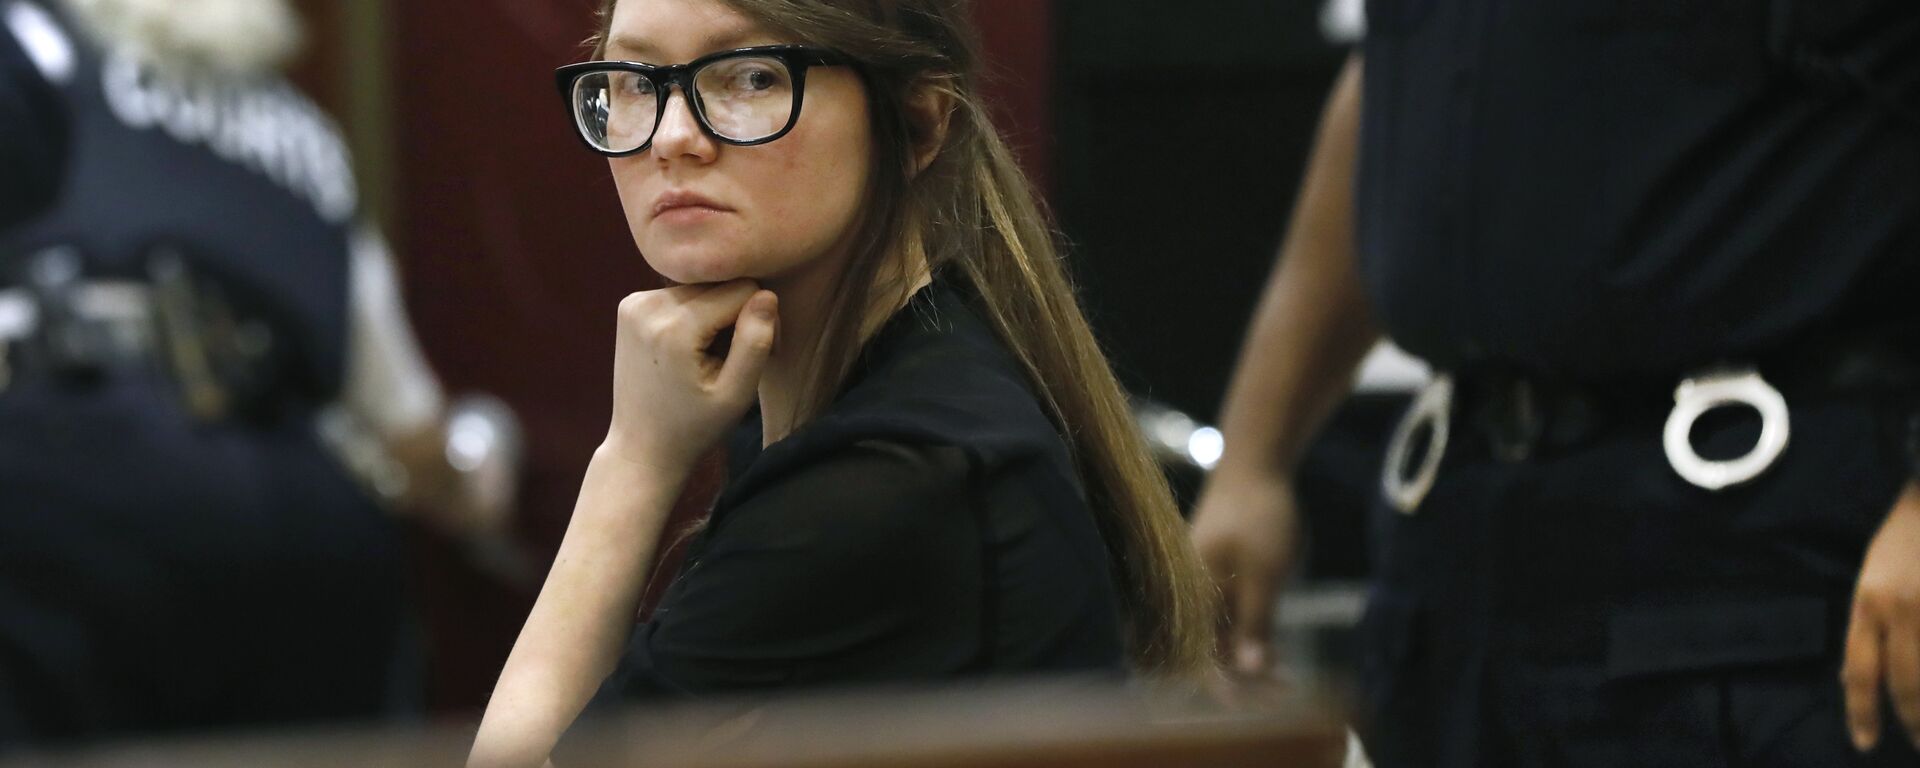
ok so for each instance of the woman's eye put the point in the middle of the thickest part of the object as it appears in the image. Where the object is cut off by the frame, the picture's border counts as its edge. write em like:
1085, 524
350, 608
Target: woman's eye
756, 80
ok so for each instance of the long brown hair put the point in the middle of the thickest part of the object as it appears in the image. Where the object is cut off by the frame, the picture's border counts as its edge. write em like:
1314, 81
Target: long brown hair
973, 214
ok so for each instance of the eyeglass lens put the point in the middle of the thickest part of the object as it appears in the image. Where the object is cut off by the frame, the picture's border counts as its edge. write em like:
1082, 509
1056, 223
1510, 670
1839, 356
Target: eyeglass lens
744, 99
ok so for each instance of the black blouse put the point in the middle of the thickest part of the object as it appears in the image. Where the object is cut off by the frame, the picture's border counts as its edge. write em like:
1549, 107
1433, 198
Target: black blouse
929, 525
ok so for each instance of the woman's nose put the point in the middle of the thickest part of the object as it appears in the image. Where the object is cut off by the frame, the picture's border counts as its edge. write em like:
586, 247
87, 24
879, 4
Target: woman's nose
679, 133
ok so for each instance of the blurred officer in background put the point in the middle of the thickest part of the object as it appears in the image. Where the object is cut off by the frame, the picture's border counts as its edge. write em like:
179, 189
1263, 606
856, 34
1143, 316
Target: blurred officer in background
1660, 507
208, 392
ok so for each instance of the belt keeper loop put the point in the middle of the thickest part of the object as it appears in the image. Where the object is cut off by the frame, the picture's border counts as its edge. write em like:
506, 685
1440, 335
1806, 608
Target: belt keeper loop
1517, 423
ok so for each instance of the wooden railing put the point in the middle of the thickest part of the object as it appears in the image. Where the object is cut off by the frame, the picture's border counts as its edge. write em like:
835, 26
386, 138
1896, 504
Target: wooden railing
1055, 725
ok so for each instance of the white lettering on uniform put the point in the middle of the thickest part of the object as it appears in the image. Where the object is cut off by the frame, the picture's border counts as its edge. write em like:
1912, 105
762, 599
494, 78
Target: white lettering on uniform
265, 127
120, 81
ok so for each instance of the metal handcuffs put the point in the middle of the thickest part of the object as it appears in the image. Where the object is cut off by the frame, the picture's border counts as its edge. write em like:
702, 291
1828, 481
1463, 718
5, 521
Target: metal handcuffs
1432, 409
1695, 397
1405, 487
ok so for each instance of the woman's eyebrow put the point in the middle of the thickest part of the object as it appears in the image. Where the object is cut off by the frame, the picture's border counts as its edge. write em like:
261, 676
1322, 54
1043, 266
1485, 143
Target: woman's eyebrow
643, 49
631, 47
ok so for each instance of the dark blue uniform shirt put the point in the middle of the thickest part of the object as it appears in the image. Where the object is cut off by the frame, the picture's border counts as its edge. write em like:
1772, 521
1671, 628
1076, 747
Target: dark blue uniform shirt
1637, 187
1620, 193
32, 134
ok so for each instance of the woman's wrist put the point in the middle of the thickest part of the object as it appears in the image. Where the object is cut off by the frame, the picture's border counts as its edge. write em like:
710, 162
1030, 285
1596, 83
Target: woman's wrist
643, 462
623, 487
1258, 467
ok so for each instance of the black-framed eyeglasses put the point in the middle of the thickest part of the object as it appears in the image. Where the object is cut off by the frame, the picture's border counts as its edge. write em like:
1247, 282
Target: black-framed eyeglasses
741, 97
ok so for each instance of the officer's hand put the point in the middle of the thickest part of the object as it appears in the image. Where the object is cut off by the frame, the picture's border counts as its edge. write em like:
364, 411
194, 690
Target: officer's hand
1883, 636
677, 384
1244, 528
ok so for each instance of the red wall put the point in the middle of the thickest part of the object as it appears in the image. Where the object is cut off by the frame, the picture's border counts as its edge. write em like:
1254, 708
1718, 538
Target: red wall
1018, 38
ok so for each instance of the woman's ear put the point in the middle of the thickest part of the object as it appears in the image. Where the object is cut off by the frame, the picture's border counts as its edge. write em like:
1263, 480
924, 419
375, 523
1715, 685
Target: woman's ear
929, 112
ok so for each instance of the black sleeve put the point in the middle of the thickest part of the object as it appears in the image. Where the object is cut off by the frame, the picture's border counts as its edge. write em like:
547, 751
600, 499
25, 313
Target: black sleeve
32, 135
863, 567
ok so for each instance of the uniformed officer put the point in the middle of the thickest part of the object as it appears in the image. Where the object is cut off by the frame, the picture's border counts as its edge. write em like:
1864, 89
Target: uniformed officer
208, 392
1660, 507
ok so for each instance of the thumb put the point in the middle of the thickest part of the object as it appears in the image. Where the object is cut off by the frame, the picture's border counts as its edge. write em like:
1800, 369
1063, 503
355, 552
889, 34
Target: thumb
753, 336
1861, 670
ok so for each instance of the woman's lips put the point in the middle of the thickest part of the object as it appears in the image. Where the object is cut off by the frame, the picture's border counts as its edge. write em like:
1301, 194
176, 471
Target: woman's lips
681, 206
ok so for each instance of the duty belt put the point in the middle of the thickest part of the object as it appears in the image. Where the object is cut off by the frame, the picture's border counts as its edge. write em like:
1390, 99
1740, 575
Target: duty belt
73, 328
1516, 415
79, 330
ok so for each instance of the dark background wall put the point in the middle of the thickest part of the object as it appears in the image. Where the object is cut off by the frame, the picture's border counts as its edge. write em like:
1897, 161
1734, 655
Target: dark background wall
1182, 130
1180, 133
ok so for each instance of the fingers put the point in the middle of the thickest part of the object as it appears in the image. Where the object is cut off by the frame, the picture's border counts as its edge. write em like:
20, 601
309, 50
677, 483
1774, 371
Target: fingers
1252, 622
1220, 571
1219, 558
1247, 591
754, 332
1903, 673
1860, 675
1243, 530
714, 308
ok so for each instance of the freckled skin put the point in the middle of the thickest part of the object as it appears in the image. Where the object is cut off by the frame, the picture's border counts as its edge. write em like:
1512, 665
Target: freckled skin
793, 201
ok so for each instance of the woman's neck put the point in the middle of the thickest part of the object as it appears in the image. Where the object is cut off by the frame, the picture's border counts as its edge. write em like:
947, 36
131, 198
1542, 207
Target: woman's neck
805, 307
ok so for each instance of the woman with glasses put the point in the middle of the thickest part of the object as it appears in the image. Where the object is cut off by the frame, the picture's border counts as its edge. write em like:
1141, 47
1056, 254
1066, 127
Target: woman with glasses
937, 475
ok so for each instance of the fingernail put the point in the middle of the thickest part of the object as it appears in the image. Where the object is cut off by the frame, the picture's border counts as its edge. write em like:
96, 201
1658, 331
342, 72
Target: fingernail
1862, 739
765, 304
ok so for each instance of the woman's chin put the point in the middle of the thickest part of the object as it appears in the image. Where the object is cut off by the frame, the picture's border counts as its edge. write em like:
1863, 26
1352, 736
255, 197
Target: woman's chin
690, 271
